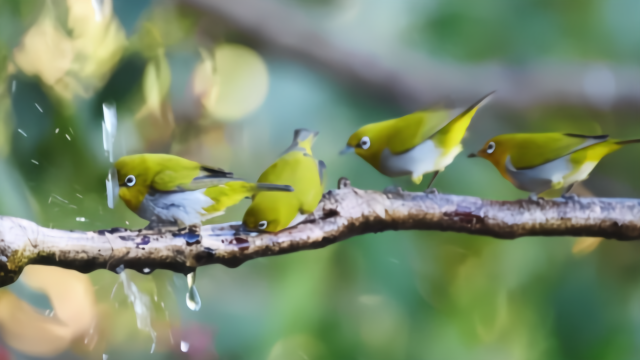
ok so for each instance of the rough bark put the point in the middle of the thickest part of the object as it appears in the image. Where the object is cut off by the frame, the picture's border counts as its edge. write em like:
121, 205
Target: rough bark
341, 214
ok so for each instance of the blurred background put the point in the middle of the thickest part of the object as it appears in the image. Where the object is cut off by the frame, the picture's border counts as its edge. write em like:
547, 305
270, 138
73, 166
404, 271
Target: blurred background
226, 82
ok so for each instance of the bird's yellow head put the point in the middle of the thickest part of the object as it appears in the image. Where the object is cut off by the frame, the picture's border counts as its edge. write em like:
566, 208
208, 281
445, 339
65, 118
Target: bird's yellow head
369, 142
271, 212
496, 150
134, 177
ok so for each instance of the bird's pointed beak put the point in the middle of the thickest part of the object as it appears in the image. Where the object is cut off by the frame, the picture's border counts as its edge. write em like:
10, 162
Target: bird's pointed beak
347, 150
472, 155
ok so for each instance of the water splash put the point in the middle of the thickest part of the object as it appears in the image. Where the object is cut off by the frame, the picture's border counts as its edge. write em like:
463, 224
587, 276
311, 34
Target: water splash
141, 305
109, 128
112, 187
98, 5
193, 299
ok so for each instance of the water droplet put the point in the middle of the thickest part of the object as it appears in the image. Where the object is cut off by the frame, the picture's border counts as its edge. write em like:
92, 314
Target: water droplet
97, 8
58, 129
193, 299
13, 86
35, 162
184, 346
81, 219
120, 269
22, 132
38, 106
68, 138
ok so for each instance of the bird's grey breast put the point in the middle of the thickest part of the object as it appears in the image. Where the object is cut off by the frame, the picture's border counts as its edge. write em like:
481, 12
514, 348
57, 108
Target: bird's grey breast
420, 159
540, 178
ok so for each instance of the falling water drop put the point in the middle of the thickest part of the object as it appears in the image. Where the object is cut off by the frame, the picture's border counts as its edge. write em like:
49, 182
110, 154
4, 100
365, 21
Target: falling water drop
184, 346
193, 299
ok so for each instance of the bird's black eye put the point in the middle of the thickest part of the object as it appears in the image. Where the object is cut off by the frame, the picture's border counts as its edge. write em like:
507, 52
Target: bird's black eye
490, 147
262, 225
130, 180
365, 142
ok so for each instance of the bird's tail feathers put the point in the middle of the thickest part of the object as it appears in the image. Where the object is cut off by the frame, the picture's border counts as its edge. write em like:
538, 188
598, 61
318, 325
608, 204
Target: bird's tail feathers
302, 140
476, 105
625, 142
273, 187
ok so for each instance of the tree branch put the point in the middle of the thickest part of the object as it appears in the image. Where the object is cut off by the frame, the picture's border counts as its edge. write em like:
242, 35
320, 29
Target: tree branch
341, 214
416, 81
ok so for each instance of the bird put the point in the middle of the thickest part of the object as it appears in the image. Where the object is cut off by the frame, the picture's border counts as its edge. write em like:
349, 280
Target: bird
416, 144
544, 161
169, 190
274, 211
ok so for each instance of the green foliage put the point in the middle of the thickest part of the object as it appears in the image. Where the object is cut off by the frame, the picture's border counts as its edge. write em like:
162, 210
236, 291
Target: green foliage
525, 30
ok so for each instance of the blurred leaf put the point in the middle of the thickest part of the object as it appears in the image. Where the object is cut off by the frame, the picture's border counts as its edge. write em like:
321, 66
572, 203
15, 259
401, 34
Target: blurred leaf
46, 50
98, 38
585, 245
32, 332
297, 347
155, 85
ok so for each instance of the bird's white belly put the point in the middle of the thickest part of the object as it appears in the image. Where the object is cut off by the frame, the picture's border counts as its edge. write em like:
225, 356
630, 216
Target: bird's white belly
541, 178
186, 207
422, 159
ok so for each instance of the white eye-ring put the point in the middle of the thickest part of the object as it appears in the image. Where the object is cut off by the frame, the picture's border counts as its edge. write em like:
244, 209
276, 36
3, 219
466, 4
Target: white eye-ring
262, 225
490, 147
130, 180
365, 142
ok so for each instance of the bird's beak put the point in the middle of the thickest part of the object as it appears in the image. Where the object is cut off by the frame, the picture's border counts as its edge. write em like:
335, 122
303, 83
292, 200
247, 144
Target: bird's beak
472, 155
113, 188
347, 150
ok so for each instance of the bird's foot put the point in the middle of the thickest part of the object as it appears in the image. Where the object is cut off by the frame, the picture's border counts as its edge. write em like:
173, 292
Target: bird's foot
535, 197
570, 196
431, 191
392, 189
161, 226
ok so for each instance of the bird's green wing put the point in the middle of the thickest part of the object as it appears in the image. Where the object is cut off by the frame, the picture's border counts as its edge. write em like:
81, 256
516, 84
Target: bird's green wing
214, 172
532, 150
178, 174
413, 129
207, 178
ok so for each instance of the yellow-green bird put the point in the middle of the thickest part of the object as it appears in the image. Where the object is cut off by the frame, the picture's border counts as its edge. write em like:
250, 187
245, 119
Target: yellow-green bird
415, 144
170, 190
276, 211
540, 162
